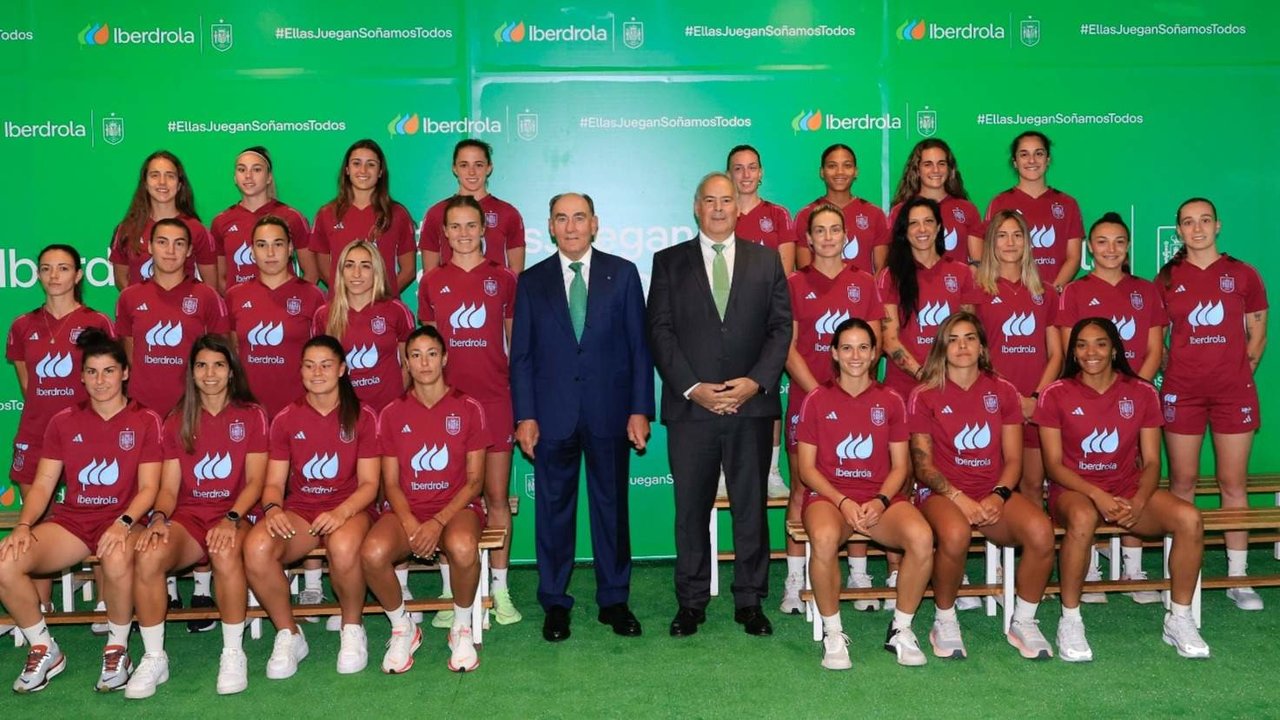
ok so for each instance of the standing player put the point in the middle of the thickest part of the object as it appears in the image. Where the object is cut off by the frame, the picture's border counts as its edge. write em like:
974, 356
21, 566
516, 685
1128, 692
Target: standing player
1217, 329
1053, 216
931, 171
853, 458
470, 300
504, 227
823, 295
433, 442
322, 477
162, 192
1136, 309
966, 446
215, 459
233, 228
866, 232
1100, 431
364, 210
109, 449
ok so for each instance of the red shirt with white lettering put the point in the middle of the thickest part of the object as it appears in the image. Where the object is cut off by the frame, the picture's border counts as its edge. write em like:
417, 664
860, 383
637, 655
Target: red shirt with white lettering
163, 325
100, 458
331, 235
431, 446
767, 224
503, 230
372, 342
322, 459
960, 219
864, 228
271, 326
1133, 304
138, 256
1052, 219
213, 474
943, 289
1207, 344
852, 435
1016, 323
967, 429
470, 308
232, 232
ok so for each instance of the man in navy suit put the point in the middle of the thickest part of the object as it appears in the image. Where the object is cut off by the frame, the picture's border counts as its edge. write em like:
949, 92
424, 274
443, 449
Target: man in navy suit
582, 385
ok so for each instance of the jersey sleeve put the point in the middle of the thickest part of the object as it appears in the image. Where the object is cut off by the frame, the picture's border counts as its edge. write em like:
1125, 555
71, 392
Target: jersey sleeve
149, 448
1152, 417
257, 440
319, 242
426, 309
431, 236
879, 226
1255, 299
13, 346
888, 289
515, 229
1048, 412
320, 319
508, 294
1075, 222
783, 222
124, 315
171, 438
216, 320
897, 411
918, 412
1068, 313
367, 435
405, 318
278, 437
479, 438
1010, 403
116, 254
801, 226
299, 230
202, 244
806, 426
969, 291
1159, 315
387, 446
52, 446
402, 228
1050, 306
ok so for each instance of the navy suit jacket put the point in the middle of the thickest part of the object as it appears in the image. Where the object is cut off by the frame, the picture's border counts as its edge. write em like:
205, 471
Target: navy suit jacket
602, 380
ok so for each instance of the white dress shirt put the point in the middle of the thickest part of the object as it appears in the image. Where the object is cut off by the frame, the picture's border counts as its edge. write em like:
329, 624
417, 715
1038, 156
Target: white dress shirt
568, 271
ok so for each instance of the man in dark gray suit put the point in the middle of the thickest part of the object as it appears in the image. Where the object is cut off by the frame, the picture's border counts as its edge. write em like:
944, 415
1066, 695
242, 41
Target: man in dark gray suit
719, 328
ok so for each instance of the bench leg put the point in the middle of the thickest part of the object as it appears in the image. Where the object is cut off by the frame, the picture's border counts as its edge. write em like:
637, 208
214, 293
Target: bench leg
992, 557
714, 528
293, 581
1195, 601
18, 638
255, 625
477, 606
1007, 586
811, 607
483, 590
69, 592
86, 590
1116, 561
1168, 546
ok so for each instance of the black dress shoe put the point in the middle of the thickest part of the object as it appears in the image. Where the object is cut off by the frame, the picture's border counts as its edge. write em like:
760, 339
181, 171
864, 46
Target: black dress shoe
556, 627
621, 619
687, 621
753, 620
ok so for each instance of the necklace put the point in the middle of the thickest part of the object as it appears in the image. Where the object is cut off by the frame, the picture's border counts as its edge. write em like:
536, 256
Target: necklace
55, 332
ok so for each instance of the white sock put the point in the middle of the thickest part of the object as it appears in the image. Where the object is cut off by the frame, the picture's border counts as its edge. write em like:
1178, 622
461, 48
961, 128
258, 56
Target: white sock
399, 617
773, 458
1180, 610
233, 636
1024, 611
204, 581
499, 579
311, 579
795, 565
152, 639
38, 634
118, 634
172, 585
858, 564
402, 574
831, 624
1071, 613
1237, 562
944, 613
444, 579
1132, 560
902, 620
461, 616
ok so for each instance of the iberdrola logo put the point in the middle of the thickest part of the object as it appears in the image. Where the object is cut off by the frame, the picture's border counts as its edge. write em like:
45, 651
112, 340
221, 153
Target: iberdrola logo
807, 121
404, 125
912, 30
512, 32
95, 34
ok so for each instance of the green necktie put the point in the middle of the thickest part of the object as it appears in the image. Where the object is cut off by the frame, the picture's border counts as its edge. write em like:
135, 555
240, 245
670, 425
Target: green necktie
720, 279
577, 300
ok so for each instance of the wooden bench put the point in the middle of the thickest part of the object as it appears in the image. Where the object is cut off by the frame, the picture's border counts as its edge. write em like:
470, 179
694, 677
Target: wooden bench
722, 503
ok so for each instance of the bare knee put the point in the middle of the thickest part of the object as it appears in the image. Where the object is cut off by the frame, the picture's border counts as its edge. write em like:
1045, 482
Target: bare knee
375, 555
462, 552
825, 540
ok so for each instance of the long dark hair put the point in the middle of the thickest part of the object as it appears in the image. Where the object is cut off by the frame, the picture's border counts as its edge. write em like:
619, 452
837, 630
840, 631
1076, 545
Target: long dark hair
381, 200
1164, 277
78, 291
238, 392
909, 183
1119, 363
129, 232
901, 264
348, 401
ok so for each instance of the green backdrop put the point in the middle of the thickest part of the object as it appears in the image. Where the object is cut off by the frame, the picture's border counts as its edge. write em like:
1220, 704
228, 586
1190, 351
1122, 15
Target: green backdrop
631, 101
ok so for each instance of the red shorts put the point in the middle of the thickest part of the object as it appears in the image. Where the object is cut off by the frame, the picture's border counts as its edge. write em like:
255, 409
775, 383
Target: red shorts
1227, 413
1030, 435
501, 421
812, 497
197, 526
26, 456
86, 525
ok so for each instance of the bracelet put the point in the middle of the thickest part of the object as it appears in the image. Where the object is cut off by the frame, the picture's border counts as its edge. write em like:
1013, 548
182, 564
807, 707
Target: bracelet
27, 524
433, 517
267, 508
841, 502
154, 513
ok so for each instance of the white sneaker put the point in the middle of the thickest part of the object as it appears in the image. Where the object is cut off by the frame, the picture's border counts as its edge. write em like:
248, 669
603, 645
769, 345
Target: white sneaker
791, 603
311, 597
777, 487
44, 662
858, 581
353, 651
968, 602
946, 640
233, 672
1031, 643
1181, 633
1093, 598
722, 490
463, 657
443, 618
835, 651
902, 642
289, 650
1072, 645
152, 670
414, 617
333, 623
1142, 597
504, 610
404, 642
116, 669
891, 604
1245, 598
99, 628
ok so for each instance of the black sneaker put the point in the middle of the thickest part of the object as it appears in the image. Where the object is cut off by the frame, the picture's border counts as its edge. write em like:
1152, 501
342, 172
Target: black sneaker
199, 626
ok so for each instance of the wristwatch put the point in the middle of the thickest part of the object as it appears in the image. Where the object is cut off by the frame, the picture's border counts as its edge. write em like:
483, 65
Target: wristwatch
884, 500
234, 517
1003, 492
126, 520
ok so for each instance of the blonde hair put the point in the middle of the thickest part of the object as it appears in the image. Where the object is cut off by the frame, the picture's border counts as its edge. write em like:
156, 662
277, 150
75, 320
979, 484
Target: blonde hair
989, 266
933, 373
340, 305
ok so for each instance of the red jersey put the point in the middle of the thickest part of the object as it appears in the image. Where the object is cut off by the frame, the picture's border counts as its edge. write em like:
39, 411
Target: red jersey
1100, 431
819, 304
138, 257
503, 230
48, 347
322, 459
852, 434
966, 427
1207, 310
943, 289
372, 342
960, 219
232, 232
470, 308
767, 224
163, 325
100, 458
1052, 219
213, 475
271, 326
864, 228
1133, 304
431, 445
1016, 323
330, 236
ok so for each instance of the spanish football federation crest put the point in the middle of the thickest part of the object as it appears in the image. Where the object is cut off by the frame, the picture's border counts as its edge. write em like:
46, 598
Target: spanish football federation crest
293, 306
991, 402
1135, 299
927, 122
491, 219
633, 33
127, 440
951, 282
527, 125
878, 416
1059, 212
957, 212
112, 130
453, 424
1029, 32
766, 224
220, 36
190, 305
490, 287
862, 221
1227, 283
1126, 408
855, 294
236, 431
379, 325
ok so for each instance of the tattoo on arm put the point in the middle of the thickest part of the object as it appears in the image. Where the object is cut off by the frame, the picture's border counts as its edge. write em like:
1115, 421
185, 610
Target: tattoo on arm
899, 358
926, 473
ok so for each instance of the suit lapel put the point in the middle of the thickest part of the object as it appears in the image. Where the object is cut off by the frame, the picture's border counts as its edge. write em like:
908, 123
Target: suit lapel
599, 286
740, 262
698, 269
553, 289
